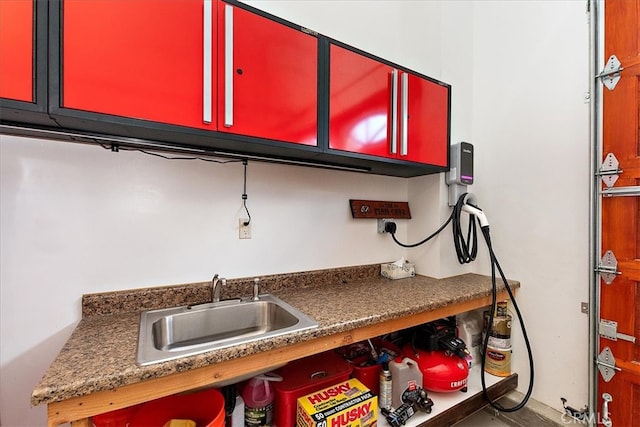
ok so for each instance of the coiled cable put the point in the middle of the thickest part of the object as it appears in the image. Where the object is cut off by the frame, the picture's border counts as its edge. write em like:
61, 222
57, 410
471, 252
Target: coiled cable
466, 248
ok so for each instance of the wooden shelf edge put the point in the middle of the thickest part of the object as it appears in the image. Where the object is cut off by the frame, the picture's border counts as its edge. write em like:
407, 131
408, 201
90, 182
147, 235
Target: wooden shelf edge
473, 403
77, 409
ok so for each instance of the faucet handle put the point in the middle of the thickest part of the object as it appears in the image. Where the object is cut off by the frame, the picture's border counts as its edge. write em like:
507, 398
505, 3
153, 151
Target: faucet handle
215, 289
256, 290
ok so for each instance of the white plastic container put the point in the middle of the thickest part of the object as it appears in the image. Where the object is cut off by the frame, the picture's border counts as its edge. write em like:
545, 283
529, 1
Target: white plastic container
237, 417
469, 327
406, 375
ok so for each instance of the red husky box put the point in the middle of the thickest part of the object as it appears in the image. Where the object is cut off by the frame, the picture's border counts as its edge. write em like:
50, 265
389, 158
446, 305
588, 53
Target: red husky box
345, 404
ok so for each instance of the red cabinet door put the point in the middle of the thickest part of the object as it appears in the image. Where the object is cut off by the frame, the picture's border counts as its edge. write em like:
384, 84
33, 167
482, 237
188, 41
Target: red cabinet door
141, 59
360, 104
380, 110
17, 50
427, 121
267, 78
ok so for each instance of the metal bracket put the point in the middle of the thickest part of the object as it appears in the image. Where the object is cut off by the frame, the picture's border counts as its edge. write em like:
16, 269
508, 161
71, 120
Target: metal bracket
607, 364
584, 307
608, 267
606, 398
609, 329
609, 170
610, 75
631, 191
578, 415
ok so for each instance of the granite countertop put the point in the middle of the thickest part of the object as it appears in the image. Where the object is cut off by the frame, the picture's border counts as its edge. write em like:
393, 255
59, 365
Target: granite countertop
101, 352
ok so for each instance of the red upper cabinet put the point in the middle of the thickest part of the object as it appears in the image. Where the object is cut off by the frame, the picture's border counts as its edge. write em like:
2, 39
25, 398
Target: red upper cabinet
142, 59
17, 50
267, 78
360, 104
203, 64
218, 76
427, 120
380, 110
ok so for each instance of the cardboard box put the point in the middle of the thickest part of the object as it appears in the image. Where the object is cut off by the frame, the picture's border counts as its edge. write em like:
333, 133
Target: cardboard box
344, 404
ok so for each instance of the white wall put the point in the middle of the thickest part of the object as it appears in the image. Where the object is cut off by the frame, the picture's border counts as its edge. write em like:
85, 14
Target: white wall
530, 129
78, 219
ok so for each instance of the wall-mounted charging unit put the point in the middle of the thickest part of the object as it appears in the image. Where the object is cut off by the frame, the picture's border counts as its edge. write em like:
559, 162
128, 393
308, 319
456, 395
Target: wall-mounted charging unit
461, 171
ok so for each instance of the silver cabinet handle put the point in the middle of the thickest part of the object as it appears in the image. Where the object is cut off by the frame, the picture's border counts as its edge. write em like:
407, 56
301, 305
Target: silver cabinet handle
394, 111
207, 77
404, 114
228, 66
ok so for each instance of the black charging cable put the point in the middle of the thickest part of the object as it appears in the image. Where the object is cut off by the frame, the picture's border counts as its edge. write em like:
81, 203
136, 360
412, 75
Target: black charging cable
466, 248
495, 264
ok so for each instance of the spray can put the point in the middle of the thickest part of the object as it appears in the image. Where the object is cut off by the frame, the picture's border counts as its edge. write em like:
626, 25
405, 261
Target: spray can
258, 398
386, 387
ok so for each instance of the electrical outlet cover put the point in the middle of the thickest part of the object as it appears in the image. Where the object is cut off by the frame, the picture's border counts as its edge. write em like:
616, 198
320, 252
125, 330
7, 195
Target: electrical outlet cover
244, 231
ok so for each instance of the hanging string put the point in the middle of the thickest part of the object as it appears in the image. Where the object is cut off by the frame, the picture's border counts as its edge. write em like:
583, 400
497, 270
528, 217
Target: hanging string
244, 194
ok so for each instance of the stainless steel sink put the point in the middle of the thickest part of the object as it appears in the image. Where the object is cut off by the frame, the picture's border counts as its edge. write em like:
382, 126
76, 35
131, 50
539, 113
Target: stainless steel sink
171, 333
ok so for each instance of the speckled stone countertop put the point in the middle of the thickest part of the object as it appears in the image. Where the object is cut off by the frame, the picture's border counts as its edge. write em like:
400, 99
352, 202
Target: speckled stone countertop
101, 352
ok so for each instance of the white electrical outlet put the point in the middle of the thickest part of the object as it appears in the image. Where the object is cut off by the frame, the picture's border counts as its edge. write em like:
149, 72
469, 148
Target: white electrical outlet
244, 230
382, 224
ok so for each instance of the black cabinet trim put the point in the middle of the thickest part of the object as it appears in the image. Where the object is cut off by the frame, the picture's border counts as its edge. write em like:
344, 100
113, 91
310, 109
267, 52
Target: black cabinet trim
79, 125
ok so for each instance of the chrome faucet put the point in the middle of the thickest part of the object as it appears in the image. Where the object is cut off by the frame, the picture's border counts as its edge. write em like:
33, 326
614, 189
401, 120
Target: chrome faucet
256, 289
216, 284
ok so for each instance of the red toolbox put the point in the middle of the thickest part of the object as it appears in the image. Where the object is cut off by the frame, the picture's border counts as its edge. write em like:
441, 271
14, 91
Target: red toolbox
304, 376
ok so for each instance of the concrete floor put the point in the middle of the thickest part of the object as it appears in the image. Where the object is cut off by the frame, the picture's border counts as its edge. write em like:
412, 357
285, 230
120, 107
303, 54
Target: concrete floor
482, 419
534, 414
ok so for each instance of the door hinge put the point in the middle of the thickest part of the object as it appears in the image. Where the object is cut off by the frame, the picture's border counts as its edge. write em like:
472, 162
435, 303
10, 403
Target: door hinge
609, 173
609, 170
610, 75
608, 267
609, 329
607, 364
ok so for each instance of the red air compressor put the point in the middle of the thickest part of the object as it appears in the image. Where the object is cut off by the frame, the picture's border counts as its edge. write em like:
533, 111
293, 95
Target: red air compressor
439, 355
442, 371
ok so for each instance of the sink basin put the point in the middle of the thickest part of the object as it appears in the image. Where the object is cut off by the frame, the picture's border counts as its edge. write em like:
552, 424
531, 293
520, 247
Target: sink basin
171, 333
